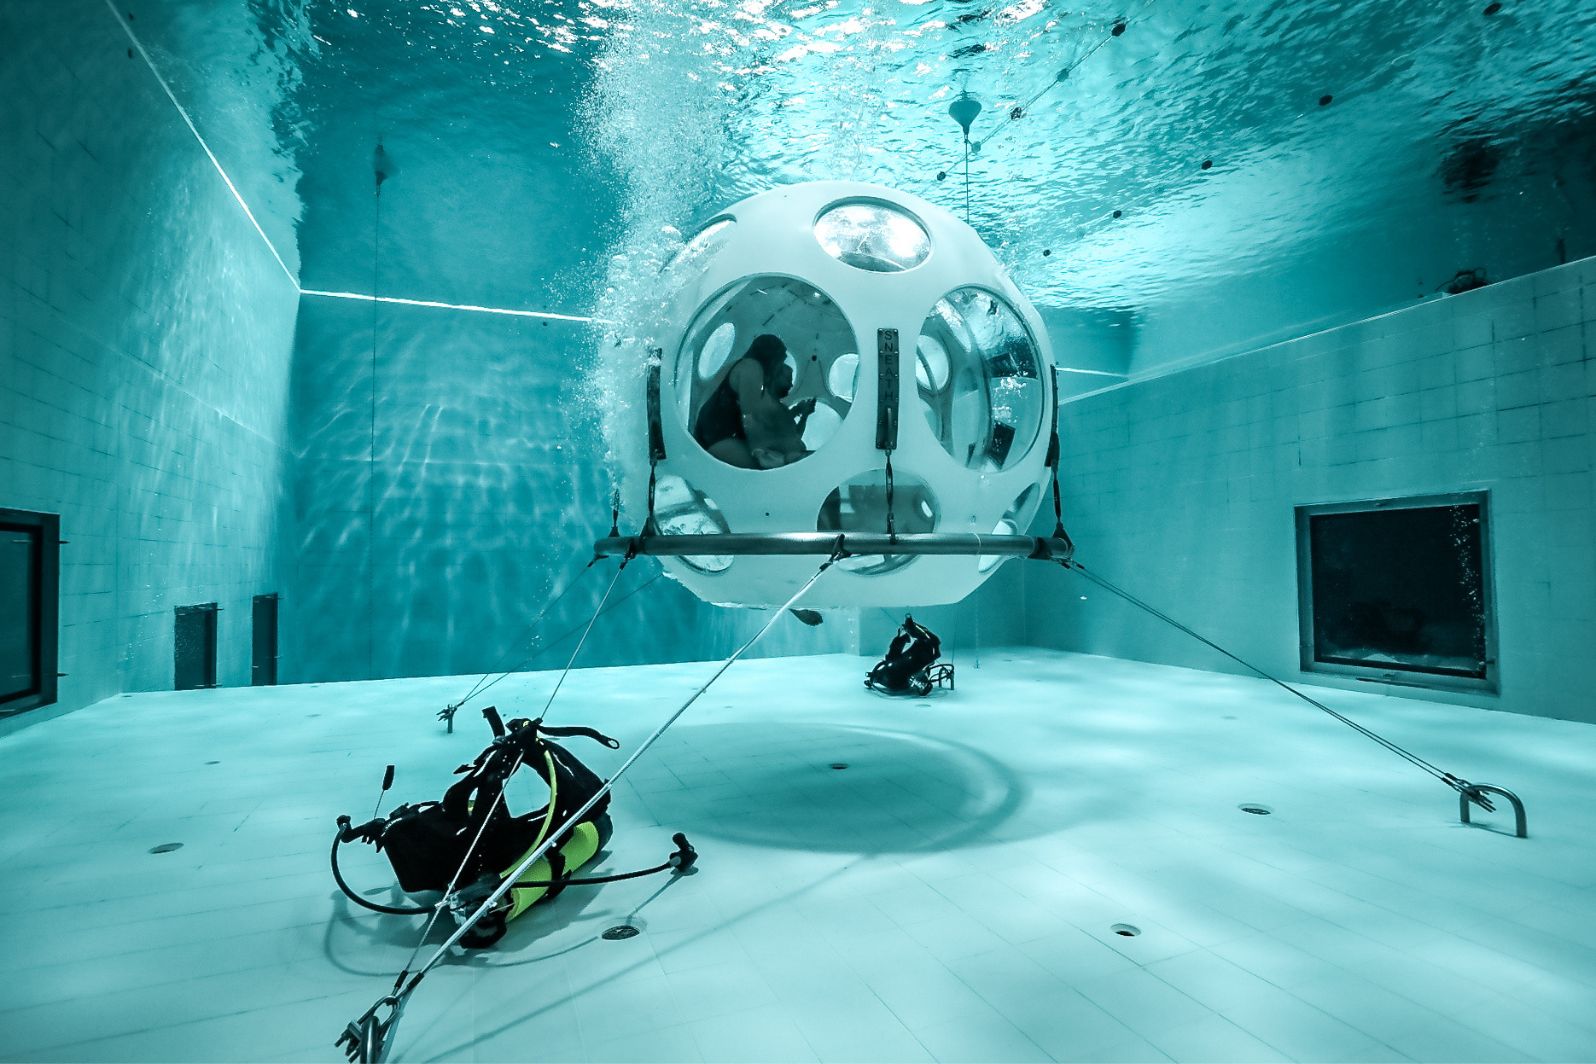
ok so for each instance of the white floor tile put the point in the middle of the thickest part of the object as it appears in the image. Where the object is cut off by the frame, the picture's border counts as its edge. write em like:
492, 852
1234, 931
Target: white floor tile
948, 896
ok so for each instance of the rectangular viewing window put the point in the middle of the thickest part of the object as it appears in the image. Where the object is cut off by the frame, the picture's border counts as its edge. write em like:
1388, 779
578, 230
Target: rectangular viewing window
30, 553
1399, 590
195, 647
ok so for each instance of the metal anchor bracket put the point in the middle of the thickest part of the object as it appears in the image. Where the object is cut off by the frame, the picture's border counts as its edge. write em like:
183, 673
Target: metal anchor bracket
1476, 792
368, 1039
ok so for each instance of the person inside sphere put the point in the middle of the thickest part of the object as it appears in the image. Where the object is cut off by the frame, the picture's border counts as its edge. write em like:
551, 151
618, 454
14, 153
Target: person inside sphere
744, 421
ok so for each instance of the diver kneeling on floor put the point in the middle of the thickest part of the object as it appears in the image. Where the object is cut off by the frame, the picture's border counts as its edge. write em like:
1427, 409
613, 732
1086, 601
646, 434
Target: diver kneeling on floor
466, 845
910, 667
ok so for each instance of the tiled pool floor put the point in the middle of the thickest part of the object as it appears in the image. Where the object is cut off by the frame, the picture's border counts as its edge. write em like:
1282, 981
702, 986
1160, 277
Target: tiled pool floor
950, 895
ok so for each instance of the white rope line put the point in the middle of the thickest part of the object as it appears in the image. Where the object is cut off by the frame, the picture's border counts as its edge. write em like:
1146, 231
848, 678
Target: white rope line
576, 818
139, 47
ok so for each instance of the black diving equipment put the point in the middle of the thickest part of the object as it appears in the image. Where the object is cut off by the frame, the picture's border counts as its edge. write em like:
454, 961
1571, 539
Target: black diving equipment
464, 846
910, 667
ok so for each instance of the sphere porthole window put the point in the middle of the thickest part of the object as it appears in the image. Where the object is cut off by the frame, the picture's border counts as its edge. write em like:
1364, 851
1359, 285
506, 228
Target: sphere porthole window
810, 334
983, 393
870, 235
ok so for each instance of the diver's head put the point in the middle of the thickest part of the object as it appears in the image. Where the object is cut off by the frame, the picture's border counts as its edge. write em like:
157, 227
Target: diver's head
781, 381
768, 350
771, 354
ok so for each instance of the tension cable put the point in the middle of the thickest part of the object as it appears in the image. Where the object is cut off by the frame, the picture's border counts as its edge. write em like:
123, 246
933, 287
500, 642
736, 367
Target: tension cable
369, 1037
519, 757
1471, 792
498, 672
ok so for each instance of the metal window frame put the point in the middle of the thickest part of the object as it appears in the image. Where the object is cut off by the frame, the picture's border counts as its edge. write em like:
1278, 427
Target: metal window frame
1400, 675
257, 668
208, 612
44, 611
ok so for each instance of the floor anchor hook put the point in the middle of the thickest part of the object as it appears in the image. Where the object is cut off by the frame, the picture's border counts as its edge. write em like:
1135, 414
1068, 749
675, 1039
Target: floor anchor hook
1473, 791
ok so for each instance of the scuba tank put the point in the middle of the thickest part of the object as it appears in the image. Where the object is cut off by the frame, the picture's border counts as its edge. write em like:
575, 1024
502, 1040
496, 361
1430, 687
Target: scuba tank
465, 845
910, 667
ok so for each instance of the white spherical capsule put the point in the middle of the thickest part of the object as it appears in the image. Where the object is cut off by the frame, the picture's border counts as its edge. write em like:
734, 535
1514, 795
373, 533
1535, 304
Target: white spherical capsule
832, 269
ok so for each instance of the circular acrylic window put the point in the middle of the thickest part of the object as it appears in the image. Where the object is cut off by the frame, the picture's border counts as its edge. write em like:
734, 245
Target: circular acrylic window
873, 236
791, 409
930, 363
717, 349
843, 377
706, 241
981, 387
682, 510
823, 424
859, 504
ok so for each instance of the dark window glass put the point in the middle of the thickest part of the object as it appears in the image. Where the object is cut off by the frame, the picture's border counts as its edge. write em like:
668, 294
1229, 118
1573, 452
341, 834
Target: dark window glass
195, 647
1400, 588
19, 635
263, 649
29, 570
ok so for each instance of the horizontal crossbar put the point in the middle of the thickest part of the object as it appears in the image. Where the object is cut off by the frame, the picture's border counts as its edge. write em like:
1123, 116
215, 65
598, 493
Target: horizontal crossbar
1045, 548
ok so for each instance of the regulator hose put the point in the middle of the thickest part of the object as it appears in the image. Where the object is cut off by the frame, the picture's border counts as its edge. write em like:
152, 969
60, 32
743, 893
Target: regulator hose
339, 839
682, 862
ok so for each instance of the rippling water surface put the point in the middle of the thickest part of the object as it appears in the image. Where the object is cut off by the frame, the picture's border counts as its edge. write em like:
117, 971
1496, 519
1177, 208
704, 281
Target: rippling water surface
534, 137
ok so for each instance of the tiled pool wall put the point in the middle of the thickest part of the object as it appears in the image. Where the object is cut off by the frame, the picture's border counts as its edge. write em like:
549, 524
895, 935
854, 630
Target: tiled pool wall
146, 339
1182, 487
433, 529
149, 340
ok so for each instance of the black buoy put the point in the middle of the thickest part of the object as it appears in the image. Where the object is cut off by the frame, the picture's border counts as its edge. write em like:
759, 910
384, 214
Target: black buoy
1208, 164
964, 110
1324, 101
942, 175
1046, 252
1492, 8
1017, 112
382, 165
1118, 213
1119, 28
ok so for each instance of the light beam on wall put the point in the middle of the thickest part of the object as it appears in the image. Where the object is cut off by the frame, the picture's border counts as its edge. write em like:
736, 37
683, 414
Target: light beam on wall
120, 21
546, 314
192, 128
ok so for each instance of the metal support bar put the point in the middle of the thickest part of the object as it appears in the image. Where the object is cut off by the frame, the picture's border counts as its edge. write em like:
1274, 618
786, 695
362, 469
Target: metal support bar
1044, 548
1054, 459
892, 526
656, 435
1053, 444
886, 389
1466, 795
656, 427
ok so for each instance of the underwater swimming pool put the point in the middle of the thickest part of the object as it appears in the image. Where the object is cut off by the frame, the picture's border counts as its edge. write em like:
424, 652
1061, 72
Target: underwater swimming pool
326, 333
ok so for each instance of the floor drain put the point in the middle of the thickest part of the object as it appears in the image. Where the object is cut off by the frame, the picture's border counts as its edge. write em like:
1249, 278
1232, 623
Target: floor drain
839, 765
1126, 930
1256, 810
166, 847
619, 932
